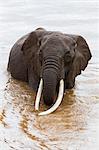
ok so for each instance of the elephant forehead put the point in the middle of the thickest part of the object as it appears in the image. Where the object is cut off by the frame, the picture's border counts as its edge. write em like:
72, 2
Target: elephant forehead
59, 39
55, 41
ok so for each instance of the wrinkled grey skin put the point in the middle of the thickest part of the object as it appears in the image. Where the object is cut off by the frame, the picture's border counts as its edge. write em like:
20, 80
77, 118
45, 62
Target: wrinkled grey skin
50, 55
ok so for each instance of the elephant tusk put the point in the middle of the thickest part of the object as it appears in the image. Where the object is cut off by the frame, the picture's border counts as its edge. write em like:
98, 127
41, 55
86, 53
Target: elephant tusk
58, 101
39, 95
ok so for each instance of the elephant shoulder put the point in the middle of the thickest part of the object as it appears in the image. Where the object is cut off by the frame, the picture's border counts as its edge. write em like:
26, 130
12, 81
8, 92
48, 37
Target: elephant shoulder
16, 55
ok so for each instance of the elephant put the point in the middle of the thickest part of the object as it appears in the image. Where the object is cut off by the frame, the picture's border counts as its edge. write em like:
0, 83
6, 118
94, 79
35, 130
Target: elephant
49, 61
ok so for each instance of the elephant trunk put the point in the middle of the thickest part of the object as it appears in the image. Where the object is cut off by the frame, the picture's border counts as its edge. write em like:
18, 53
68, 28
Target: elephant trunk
49, 86
51, 83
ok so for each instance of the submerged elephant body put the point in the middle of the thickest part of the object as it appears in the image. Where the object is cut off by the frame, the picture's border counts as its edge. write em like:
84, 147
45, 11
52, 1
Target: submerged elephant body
50, 56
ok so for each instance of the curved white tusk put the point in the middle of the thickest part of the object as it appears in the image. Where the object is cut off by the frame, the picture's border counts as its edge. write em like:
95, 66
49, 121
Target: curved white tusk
58, 101
39, 95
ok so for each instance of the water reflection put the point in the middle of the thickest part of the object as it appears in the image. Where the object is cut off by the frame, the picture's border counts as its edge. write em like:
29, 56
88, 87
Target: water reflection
69, 119
69, 125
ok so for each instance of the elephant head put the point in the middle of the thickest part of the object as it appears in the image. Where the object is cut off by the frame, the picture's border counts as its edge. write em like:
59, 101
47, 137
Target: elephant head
55, 60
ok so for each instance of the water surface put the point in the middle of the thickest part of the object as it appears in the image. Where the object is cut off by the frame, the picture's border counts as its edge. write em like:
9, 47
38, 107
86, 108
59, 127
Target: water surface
75, 124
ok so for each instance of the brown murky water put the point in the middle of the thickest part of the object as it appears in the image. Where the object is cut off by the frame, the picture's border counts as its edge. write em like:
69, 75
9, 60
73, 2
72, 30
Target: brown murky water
75, 124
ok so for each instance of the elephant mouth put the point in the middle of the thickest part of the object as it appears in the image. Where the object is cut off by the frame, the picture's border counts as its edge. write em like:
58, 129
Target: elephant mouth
56, 104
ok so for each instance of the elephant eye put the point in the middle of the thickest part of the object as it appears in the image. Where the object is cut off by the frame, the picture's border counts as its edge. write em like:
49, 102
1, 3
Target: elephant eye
67, 56
67, 52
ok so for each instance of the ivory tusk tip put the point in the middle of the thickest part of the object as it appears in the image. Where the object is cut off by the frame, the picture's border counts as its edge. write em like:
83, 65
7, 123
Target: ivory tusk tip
42, 114
36, 109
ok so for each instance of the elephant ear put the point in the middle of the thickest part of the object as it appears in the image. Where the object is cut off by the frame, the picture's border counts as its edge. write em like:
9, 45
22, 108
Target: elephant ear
80, 61
83, 50
30, 43
33, 40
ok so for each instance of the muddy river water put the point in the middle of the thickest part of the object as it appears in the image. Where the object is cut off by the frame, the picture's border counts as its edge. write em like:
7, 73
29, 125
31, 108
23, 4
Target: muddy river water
75, 124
